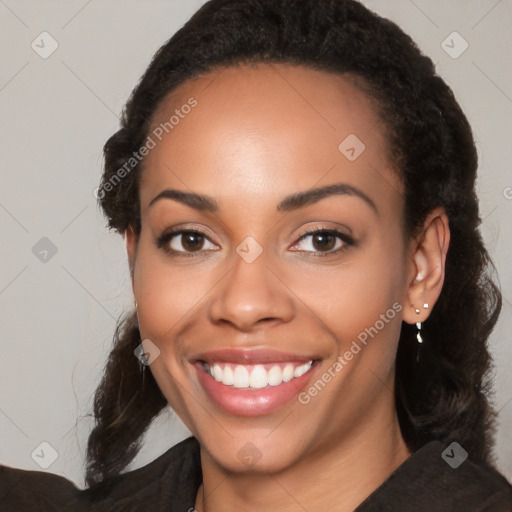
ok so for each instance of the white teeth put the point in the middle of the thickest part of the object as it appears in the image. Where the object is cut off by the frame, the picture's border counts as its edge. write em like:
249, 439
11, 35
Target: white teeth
256, 376
288, 373
301, 370
217, 373
275, 376
228, 378
240, 377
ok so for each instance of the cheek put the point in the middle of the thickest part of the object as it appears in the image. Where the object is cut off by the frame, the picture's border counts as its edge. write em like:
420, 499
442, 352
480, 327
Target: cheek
166, 293
351, 296
167, 297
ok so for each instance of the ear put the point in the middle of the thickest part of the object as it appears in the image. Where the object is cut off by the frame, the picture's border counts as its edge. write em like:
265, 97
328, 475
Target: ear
427, 267
131, 248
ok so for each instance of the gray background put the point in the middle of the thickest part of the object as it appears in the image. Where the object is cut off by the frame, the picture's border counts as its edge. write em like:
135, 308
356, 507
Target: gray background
58, 316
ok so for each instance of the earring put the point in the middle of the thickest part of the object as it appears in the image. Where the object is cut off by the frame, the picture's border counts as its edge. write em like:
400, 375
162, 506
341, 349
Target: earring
142, 368
418, 334
135, 304
418, 324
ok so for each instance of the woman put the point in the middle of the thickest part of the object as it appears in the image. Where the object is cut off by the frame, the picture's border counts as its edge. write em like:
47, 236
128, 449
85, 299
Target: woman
296, 188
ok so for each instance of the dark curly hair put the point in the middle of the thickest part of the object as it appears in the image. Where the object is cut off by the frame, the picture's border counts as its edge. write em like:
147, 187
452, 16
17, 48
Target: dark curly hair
447, 395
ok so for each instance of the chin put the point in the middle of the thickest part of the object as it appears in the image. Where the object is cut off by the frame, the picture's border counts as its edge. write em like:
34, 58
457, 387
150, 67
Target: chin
256, 456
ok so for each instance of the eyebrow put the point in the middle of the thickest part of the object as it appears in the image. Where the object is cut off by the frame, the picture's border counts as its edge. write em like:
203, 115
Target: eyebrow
292, 202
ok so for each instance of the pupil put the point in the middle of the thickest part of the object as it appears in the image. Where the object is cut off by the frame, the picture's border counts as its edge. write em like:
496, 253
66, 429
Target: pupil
323, 241
192, 241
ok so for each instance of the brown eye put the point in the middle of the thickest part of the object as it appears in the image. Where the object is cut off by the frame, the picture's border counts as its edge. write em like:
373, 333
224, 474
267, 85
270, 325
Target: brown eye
323, 242
185, 242
192, 241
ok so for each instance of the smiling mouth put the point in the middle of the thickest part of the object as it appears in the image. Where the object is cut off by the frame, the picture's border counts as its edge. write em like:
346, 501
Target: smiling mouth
257, 376
253, 383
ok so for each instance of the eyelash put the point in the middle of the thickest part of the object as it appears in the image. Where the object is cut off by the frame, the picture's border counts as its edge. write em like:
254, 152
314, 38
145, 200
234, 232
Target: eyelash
163, 240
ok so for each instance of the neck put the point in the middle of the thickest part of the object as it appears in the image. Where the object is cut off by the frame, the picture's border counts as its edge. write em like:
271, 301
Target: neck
338, 476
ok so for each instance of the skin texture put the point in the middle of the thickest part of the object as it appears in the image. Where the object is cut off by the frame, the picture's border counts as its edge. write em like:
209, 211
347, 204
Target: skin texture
258, 134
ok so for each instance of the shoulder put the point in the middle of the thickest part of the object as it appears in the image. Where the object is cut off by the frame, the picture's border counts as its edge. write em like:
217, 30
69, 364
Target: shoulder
441, 478
27, 491
173, 477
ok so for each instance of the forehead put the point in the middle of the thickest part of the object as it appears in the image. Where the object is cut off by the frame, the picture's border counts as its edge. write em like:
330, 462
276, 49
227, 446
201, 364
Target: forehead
264, 131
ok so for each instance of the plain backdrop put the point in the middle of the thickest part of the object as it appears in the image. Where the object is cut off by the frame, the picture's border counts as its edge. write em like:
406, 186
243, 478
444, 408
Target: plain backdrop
58, 315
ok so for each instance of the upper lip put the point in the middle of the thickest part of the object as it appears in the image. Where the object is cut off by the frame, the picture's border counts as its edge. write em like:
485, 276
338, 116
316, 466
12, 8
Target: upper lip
250, 356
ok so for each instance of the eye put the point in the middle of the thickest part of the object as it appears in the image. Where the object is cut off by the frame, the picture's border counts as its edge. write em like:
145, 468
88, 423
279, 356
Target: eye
185, 242
323, 241
191, 242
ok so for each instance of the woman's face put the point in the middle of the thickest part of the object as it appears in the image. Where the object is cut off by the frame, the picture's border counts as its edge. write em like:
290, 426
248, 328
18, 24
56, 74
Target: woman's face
253, 288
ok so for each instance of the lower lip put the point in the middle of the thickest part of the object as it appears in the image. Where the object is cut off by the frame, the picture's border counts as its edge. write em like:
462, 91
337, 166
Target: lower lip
255, 402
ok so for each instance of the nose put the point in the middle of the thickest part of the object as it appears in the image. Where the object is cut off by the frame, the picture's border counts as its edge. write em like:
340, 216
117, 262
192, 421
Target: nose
251, 295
